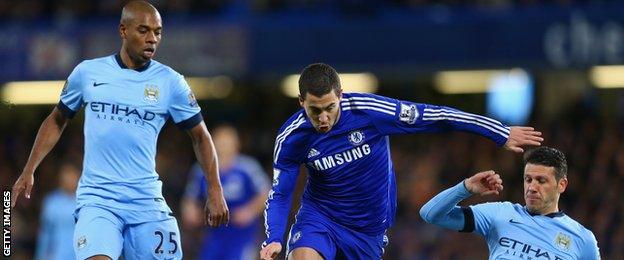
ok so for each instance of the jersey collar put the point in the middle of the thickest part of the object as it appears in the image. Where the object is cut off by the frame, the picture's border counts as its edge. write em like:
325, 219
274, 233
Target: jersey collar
550, 215
123, 66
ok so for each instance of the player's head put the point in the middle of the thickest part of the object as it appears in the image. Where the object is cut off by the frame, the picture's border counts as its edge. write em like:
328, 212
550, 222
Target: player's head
140, 29
319, 95
69, 174
226, 141
545, 178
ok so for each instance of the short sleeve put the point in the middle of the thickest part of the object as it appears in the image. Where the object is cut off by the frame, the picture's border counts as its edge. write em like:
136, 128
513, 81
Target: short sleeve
71, 95
183, 107
484, 215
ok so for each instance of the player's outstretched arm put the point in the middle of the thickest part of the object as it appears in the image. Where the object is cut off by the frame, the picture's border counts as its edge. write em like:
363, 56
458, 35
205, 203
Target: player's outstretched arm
216, 210
442, 209
270, 251
48, 135
522, 136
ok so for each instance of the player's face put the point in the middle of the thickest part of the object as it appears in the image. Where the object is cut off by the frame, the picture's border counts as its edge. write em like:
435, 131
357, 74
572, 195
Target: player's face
226, 142
323, 111
142, 36
541, 189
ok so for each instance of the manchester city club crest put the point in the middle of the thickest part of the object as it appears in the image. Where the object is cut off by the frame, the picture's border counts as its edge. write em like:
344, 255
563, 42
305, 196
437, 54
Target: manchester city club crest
563, 241
356, 137
82, 242
151, 93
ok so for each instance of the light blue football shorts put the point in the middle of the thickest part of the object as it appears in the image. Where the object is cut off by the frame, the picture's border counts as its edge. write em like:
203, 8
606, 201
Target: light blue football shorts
112, 232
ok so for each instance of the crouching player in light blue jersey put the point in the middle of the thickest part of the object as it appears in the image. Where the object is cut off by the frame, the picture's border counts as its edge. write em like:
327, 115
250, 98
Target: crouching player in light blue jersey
127, 98
343, 140
537, 230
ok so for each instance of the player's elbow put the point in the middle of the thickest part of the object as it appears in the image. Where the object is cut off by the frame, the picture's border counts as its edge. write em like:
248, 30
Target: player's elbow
425, 213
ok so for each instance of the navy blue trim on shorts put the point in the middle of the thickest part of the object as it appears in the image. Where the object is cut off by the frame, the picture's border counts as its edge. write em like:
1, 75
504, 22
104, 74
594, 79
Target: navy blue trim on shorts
65, 110
190, 122
469, 223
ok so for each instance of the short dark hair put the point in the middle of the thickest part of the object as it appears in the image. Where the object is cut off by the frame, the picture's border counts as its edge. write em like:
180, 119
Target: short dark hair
550, 157
318, 79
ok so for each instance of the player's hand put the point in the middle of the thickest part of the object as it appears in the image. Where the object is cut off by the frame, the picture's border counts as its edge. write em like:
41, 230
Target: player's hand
484, 183
23, 184
216, 210
270, 251
522, 136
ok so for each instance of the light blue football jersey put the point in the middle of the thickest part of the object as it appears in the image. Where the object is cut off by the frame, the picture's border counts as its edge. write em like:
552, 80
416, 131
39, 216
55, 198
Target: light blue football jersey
512, 232
125, 110
56, 229
350, 173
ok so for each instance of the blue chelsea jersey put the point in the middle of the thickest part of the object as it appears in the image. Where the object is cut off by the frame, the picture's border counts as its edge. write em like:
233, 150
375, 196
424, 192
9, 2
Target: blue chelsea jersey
351, 179
125, 110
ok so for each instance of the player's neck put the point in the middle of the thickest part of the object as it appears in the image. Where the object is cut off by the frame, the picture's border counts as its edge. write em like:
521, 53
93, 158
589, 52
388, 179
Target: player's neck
131, 64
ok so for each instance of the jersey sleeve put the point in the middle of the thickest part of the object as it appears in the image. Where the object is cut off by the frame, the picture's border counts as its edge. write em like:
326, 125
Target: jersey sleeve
392, 116
483, 216
184, 108
442, 210
590, 249
71, 95
286, 165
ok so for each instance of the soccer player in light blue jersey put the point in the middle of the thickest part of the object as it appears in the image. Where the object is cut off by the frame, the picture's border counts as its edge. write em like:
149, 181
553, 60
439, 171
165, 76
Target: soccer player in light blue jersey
56, 228
245, 187
127, 98
537, 230
343, 140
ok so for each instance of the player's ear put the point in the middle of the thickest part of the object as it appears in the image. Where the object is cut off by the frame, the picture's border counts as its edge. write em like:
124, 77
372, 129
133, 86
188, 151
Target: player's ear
301, 100
562, 185
122, 30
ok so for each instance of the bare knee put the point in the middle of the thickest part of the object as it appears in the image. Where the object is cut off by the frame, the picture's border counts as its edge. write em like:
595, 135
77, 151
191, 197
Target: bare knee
304, 253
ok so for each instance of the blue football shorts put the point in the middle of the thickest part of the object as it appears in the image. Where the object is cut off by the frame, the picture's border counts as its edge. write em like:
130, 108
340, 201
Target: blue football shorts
110, 232
334, 241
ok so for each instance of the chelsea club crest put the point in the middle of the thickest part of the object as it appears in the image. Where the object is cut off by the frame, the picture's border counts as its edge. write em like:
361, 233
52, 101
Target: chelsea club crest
356, 137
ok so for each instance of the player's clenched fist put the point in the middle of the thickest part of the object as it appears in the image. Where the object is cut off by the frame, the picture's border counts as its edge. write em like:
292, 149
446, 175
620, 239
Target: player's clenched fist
484, 183
216, 210
270, 251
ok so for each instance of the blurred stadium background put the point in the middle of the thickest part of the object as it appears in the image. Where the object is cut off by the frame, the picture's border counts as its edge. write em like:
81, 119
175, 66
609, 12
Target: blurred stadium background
555, 65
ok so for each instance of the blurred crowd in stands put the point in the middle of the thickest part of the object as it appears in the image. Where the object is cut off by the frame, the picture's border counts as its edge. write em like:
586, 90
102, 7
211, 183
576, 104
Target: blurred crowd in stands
60, 9
425, 165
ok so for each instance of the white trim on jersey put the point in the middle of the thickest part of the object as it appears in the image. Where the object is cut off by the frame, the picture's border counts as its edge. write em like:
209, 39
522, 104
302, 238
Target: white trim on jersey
281, 137
369, 103
369, 108
458, 116
369, 99
363, 103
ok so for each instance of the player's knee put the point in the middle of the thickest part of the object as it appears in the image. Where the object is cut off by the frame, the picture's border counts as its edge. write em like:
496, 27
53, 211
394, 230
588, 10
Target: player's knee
304, 253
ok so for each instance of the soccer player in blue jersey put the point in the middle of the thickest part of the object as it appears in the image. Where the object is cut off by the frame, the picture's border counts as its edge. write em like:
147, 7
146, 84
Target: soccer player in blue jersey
245, 187
537, 230
127, 98
56, 228
343, 140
